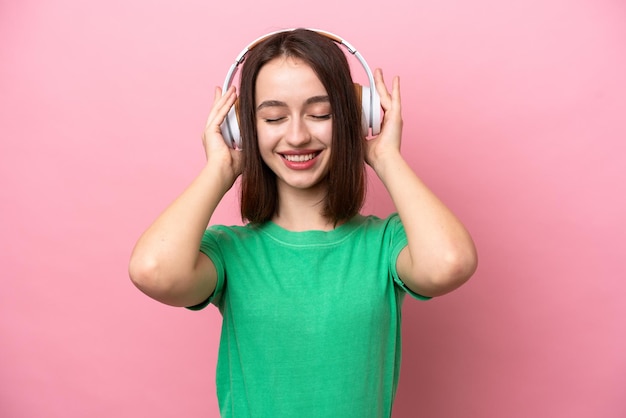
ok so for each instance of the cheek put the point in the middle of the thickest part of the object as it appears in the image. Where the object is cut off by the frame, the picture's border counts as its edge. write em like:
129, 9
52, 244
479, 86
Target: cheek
263, 135
265, 142
267, 132
322, 131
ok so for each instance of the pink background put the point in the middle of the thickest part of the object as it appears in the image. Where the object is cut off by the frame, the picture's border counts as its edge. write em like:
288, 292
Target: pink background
514, 114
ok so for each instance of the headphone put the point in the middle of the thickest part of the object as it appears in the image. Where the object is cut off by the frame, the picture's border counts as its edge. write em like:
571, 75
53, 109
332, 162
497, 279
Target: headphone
368, 96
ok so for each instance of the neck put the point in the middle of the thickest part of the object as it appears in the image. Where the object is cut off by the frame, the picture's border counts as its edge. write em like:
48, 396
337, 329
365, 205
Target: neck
302, 210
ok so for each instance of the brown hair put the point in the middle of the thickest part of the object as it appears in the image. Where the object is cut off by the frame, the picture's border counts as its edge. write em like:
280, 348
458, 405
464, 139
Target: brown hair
346, 178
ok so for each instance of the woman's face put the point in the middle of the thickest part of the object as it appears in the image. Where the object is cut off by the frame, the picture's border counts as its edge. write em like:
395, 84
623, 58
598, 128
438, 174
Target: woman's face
294, 123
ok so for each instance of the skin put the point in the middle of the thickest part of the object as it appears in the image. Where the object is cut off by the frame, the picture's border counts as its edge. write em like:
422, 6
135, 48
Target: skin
294, 122
293, 118
440, 255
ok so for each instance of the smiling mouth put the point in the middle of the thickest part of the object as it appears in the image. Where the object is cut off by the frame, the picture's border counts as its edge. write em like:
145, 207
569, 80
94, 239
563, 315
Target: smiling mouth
300, 158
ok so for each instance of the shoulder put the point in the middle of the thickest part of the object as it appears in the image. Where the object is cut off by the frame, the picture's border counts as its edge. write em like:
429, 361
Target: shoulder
227, 236
387, 231
232, 230
373, 222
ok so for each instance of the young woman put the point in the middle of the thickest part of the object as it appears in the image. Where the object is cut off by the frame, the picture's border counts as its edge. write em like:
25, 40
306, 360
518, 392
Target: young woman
310, 290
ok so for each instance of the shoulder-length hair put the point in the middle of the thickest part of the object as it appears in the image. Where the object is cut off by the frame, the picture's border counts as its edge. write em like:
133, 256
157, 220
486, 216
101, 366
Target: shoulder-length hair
346, 178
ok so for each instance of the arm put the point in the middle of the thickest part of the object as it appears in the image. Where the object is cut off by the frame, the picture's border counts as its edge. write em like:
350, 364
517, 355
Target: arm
440, 255
166, 263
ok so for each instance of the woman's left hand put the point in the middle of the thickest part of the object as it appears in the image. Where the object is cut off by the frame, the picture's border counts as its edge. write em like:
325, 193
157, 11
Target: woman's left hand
387, 142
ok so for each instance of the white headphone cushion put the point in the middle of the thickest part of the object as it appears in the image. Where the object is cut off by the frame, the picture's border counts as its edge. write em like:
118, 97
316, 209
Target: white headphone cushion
366, 109
375, 113
230, 129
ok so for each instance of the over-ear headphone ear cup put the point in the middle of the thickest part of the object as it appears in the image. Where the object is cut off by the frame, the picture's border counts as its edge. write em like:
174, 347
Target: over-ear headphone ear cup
230, 127
370, 103
375, 111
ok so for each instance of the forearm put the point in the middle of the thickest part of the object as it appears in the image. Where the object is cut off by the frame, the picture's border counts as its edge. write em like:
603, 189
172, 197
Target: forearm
164, 262
441, 254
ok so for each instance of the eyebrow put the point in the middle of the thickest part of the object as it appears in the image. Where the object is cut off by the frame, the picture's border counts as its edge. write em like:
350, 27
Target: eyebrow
278, 103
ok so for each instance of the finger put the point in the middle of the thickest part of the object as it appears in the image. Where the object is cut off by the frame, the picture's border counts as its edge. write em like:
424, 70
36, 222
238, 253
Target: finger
220, 99
395, 92
221, 105
217, 94
381, 88
396, 87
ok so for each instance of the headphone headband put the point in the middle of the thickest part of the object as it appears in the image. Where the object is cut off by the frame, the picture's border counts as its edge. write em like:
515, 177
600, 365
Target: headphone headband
370, 101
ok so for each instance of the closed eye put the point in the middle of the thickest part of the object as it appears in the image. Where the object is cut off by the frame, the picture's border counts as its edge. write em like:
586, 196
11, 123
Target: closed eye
273, 120
322, 117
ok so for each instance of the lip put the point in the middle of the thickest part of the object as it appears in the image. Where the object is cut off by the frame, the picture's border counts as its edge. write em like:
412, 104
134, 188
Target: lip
300, 165
299, 152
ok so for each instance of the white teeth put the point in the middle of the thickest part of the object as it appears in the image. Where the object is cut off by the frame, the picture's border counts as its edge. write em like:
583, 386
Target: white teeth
299, 158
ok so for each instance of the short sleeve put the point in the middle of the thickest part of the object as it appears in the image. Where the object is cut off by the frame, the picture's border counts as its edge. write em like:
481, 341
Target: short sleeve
210, 247
398, 241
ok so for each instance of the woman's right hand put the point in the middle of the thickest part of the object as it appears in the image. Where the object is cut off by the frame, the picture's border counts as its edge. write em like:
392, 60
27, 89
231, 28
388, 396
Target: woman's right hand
216, 149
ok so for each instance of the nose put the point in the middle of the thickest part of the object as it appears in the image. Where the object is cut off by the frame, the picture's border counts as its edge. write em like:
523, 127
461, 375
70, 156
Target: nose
297, 133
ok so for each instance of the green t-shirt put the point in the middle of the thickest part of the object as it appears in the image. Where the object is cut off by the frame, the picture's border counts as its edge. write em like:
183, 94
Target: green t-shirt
311, 320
